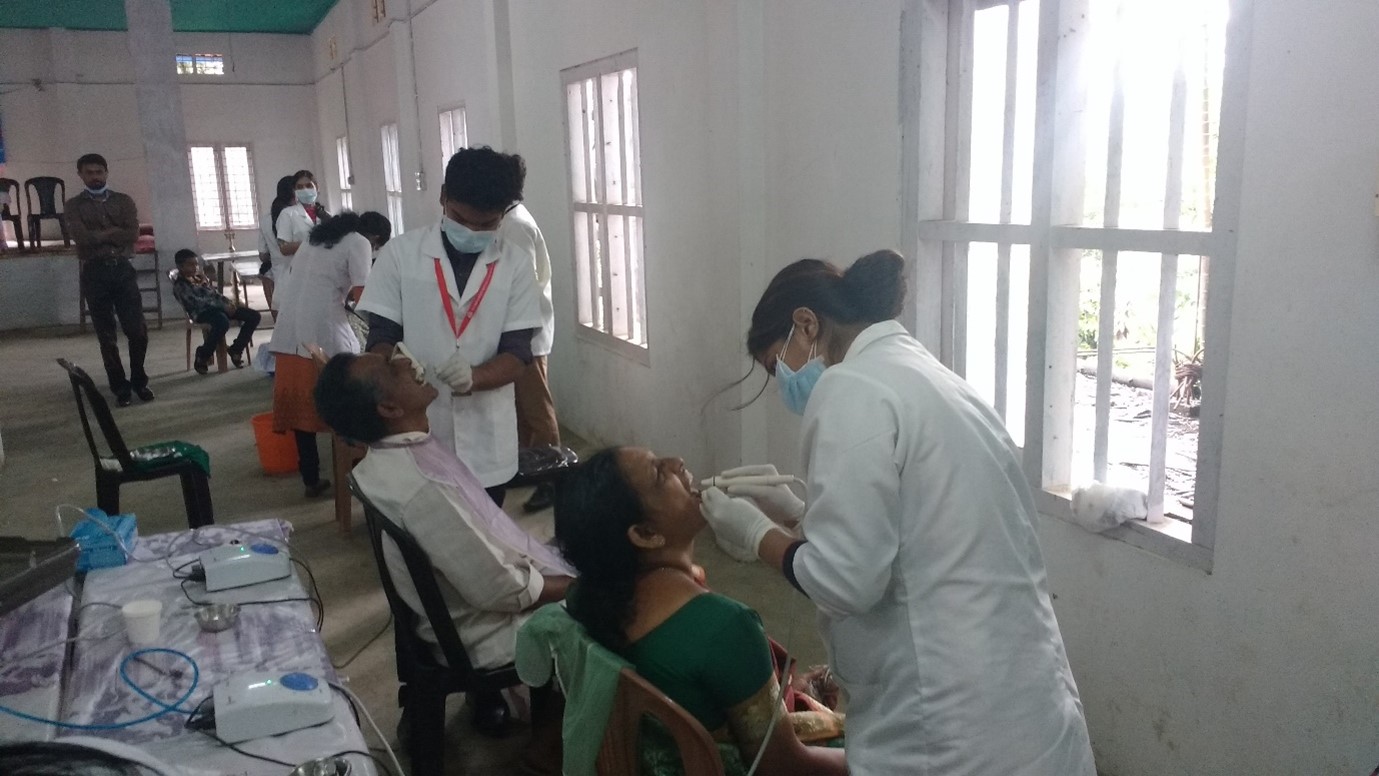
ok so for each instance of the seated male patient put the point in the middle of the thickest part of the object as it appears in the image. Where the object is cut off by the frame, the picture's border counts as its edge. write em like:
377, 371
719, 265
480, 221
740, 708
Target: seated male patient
206, 305
491, 572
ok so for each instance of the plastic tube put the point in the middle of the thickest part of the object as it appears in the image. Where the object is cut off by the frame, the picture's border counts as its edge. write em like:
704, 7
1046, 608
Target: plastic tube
719, 481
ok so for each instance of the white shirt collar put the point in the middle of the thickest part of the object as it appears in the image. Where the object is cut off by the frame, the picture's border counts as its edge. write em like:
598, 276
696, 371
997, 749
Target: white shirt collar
872, 333
405, 438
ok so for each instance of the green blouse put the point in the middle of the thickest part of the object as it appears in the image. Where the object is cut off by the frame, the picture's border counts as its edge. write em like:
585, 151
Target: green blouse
709, 656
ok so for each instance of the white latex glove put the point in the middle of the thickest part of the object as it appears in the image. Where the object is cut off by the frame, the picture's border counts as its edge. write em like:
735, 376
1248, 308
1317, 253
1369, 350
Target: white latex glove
777, 501
738, 526
456, 373
400, 352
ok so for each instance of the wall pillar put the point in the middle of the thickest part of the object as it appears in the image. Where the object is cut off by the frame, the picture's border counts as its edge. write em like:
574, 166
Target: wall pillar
159, 99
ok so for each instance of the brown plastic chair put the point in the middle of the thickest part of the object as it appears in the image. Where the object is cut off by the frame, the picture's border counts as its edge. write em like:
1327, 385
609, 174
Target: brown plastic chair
46, 188
10, 212
636, 698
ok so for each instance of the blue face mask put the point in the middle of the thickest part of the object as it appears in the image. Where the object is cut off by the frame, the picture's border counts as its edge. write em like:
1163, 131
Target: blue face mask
795, 387
306, 196
97, 192
464, 239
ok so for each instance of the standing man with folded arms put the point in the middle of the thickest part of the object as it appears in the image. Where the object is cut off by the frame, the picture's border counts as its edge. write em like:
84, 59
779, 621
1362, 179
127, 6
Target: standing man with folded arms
104, 224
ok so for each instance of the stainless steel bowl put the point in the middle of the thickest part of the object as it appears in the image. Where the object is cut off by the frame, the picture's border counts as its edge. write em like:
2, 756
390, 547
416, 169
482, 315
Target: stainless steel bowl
326, 766
217, 617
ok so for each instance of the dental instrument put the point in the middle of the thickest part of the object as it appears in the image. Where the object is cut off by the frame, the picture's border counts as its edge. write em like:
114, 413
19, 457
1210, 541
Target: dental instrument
721, 481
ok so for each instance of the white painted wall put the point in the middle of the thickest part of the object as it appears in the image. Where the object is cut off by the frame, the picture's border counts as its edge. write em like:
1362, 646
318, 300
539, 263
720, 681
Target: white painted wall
87, 104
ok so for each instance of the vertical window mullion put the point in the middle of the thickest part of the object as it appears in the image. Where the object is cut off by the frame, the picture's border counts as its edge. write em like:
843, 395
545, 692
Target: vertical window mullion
1168, 294
604, 253
957, 170
630, 306
595, 269
1002, 345
224, 188
1106, 309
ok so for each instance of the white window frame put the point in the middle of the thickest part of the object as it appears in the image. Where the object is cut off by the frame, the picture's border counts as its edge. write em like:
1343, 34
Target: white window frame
199, 64
392, 173
222, 188
345, 172
936, 50
447, 116
627, 330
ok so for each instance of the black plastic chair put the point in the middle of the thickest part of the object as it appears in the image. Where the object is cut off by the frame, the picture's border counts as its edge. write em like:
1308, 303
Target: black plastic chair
425, 683
46, 188
124, 465
10, 212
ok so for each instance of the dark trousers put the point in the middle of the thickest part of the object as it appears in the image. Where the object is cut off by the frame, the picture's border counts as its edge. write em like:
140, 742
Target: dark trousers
112, 290
219, 321
308, 457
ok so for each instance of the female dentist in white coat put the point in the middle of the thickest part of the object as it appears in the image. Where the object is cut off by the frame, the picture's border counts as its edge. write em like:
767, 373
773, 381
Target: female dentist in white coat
918, 542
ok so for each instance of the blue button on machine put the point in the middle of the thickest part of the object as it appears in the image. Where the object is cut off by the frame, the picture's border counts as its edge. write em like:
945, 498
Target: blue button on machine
299, 681
265, 549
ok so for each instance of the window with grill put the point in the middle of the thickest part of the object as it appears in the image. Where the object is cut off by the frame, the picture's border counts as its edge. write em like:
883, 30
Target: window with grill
223, 186
200, 64
604, 154
453, 134
342, 166
392, 176
1087, 220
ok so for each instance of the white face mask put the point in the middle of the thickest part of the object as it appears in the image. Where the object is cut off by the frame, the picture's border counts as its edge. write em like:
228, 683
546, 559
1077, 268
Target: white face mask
307, 196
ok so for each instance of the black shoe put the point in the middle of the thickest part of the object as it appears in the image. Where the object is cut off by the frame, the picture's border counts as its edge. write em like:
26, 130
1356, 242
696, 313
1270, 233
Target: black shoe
144, 393
541, 498
318, 488
123, 399
237, 357
201, 367
491, 715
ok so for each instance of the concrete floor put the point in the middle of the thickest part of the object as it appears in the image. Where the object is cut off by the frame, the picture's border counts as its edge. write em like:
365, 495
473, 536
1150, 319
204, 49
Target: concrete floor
48, 464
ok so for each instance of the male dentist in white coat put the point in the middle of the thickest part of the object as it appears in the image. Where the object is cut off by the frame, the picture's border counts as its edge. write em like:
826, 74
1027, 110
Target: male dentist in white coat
461, 297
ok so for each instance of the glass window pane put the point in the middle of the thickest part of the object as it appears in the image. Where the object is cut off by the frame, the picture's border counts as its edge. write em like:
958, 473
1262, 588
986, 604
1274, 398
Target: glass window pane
206, 188
239, 187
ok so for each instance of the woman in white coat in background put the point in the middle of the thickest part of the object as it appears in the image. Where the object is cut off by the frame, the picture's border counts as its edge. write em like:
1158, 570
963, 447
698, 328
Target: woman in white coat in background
273, 264
918, 542
294, 224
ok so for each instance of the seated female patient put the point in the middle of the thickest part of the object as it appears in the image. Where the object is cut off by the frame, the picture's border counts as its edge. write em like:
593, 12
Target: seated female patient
627, 520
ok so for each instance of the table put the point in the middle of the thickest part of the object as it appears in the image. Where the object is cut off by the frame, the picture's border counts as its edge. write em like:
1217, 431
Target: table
33, 686
274, 637
221, 259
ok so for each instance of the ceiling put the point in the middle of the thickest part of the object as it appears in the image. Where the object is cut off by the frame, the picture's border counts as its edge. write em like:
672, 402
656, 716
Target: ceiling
282, 16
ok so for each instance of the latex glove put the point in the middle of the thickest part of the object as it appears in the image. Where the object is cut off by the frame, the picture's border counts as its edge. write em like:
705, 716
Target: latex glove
777, 501
401, 352
457, 374
738, 526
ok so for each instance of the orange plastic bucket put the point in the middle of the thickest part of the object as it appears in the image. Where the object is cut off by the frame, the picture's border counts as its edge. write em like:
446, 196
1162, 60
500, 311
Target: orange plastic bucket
277, 452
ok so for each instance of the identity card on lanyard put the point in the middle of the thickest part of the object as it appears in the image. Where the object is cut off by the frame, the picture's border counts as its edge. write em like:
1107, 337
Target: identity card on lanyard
473, 306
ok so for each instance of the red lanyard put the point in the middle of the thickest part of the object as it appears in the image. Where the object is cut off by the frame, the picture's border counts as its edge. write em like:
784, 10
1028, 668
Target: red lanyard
473, 306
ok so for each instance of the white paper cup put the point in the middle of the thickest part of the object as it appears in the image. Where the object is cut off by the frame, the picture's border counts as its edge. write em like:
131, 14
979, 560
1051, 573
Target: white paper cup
142, 620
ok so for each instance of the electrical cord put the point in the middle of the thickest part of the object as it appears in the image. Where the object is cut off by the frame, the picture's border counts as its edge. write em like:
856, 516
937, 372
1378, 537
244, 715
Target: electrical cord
374, 725
316, 590
163, 708
386, 625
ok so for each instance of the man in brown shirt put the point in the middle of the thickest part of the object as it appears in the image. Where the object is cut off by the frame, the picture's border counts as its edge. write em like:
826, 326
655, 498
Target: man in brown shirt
104, 224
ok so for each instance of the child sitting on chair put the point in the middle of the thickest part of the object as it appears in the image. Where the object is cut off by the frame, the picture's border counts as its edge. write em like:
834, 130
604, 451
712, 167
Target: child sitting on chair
207, 306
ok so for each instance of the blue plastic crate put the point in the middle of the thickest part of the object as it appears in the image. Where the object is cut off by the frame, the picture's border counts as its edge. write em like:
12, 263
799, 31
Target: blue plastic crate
99, 549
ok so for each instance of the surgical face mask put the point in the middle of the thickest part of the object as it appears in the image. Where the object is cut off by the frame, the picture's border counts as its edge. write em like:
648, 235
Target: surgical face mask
97, 192
795, 386
307, 196
464, 239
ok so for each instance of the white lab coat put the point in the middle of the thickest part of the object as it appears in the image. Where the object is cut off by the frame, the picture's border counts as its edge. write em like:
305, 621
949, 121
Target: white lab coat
520, 222
923, 561
268, 243
481, 427
294, 225
313, 293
